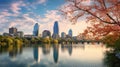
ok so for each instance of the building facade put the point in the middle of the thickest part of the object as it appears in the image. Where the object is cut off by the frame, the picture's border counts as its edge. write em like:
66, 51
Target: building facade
55, 30
63, 35
20, 34
36, 29
70, 33
13, 30
46, 33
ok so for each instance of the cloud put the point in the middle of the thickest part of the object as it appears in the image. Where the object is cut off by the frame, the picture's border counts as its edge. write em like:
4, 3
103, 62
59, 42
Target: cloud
41, 1
16, 7
11, 15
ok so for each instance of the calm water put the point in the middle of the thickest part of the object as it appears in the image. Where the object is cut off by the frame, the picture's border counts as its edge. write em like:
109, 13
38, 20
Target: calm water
75, 55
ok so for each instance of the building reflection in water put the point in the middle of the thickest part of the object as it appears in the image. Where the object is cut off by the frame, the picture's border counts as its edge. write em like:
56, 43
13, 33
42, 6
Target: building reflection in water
56, 52
46, 49
14, 51
36, 53
69, 48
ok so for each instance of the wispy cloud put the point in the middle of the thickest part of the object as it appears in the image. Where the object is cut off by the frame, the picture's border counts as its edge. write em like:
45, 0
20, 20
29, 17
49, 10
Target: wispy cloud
41, 1
16, 7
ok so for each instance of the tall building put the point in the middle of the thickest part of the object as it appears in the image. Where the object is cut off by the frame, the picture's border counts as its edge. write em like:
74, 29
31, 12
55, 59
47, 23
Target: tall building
55, 30
70, 32
63, 35
13, 30
46, 33
36, 29
20, 34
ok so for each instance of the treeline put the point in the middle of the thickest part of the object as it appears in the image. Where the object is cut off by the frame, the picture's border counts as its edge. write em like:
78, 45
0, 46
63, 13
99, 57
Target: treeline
6, 41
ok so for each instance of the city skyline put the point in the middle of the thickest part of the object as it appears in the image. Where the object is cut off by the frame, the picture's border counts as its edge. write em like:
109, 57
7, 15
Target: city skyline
24, 14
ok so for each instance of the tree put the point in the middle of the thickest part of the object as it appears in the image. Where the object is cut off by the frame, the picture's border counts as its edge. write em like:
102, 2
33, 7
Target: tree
9, 41
105, 11
100, 30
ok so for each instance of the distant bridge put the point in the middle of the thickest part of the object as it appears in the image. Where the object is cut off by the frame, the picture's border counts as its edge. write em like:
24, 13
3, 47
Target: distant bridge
82, 41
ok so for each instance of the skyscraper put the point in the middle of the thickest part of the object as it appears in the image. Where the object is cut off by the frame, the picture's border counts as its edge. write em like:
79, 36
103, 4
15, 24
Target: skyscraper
70, 32
63, 35
46, 33
36, 29
55, 30
12, 30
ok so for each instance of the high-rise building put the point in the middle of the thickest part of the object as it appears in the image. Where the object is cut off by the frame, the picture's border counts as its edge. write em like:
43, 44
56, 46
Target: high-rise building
12, 30
20, 34
46, 33
55, 30
70, 32
36, 29
63, 35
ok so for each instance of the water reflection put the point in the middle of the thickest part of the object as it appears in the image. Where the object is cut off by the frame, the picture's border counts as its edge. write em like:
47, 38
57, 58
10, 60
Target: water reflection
14, 51
36, 53
67, 47
46, 49
56, 52
70, 55
70, 47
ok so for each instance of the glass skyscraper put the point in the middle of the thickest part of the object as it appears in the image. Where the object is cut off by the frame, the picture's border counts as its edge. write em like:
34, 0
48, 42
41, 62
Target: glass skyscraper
55, 30
63, 35
70, 32
36, 29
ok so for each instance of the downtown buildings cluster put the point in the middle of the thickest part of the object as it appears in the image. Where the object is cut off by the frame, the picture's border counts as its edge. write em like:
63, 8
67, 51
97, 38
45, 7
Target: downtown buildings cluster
36, 32
47, 33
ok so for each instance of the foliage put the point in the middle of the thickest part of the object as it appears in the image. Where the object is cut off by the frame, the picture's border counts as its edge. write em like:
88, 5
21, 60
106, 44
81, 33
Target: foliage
106, 11
111, 40
101, 30
104, 16
55, 41
112, 57
46, 40
111, 60
6, 41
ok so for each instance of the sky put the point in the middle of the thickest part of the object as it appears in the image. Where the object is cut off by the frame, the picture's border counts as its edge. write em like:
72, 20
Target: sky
23, 14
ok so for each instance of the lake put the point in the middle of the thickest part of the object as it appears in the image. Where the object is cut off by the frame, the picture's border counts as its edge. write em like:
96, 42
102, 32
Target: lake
56, 55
